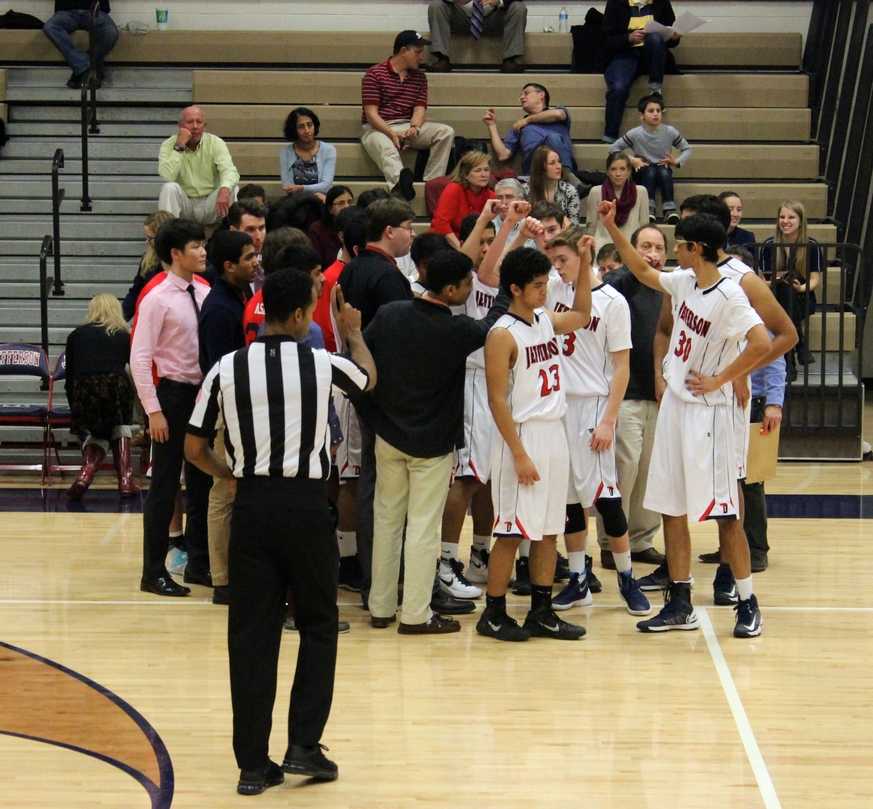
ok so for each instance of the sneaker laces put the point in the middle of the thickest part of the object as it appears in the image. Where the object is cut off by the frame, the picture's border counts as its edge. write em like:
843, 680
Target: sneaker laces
458, 569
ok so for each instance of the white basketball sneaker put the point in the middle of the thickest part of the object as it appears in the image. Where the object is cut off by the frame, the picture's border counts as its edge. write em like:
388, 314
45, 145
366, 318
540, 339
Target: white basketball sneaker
453, 581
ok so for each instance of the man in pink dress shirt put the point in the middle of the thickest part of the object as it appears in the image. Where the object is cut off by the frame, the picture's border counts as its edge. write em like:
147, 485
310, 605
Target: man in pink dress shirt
164, 359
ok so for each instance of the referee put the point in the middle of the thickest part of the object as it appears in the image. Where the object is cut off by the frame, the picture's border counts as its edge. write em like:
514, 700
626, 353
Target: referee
273, 397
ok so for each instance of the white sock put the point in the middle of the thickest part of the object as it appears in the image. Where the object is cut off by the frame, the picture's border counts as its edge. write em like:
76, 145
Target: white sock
449, 551
622, 561
577, 561
481, 542
524, 548
744, 588
348, 543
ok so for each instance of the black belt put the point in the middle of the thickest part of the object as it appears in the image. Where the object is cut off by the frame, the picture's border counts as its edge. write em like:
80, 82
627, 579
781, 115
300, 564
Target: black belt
172, 383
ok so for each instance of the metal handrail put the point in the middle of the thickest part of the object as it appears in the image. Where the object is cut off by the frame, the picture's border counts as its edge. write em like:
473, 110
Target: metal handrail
45, 250
58, 195
88, 112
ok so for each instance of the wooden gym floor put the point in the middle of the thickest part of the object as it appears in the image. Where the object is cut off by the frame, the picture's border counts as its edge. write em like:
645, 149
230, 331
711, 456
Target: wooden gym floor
113, 698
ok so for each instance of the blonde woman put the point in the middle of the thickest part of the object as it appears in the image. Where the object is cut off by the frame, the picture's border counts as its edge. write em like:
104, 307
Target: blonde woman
149, 263
545, 184
100, 393
792, 263
467, 193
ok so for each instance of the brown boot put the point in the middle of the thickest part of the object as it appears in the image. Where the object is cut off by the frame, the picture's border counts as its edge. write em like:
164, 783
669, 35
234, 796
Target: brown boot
92, 455
124, 467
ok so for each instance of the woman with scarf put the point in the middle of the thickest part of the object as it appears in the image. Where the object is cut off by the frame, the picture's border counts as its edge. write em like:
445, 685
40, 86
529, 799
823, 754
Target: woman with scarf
631, 200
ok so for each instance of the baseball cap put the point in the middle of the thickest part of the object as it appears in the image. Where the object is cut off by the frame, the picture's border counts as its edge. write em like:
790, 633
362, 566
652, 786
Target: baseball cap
407, 39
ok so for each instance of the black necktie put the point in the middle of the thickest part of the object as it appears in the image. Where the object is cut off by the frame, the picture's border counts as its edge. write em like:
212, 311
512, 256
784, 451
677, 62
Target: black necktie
190, 291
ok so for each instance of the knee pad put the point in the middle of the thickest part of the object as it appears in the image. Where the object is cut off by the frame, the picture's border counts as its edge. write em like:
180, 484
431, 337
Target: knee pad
575, 522
614, 520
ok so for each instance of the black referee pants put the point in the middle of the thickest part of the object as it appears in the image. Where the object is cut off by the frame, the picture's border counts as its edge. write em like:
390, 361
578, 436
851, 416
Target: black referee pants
177, 403
281, 537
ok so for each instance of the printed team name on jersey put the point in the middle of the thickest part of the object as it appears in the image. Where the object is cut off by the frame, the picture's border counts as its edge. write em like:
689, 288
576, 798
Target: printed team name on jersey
592, 324
259, 309
694, 322
484, 300
541, 352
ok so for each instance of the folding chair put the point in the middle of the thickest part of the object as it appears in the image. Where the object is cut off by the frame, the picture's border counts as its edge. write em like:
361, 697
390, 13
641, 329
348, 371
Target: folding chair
58, 417
29, 361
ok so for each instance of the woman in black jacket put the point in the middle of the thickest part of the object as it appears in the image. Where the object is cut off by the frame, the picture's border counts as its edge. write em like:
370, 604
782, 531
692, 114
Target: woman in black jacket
149, 263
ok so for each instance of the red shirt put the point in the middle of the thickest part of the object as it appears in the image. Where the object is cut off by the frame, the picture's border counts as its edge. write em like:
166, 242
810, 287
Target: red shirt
253, 316
395, 97
322, 309
455, 203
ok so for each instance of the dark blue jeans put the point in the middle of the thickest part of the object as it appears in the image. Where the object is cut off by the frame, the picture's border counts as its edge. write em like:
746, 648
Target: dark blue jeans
656, 178
623, 70
60, 27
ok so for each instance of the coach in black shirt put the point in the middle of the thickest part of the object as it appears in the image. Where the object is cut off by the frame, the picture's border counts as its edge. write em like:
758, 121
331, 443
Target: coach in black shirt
417, 412
282, 535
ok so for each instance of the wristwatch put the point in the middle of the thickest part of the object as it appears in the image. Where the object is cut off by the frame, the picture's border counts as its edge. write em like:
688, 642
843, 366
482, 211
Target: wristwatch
178, 148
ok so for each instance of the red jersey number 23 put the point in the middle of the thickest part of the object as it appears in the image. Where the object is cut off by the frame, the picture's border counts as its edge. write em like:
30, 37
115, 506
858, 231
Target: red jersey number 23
550, 380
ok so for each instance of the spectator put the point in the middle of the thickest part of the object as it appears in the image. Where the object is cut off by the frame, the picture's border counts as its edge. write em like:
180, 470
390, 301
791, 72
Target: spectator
323, 233
507, 191
632, 52
477, 17
466, 194
737, 236
394, 99
545, 184
149, 264
552, 218
792, 262
541, 125
253, 191
631, 200
651, 154
100, 393
74, 15
608, 259
306, 163
249, 216
201, 179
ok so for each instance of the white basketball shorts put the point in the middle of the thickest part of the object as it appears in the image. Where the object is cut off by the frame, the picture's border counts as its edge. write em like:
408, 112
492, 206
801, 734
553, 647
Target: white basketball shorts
742, 429
592, 474
474, 458
348, 453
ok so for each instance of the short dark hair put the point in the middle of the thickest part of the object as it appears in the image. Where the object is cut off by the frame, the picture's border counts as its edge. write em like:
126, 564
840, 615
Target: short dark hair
740, 252
242, 207
290, 128
710, 205
540, 87
250, 191
548, 210
447, 268
609, 252
284, 292
385, 213
297, 257
704, 230
227, 245
467, 225
333, 193
368, 197
174, 235
351, 224
426, 245
276, 241
651, 98
521, 266
635, 236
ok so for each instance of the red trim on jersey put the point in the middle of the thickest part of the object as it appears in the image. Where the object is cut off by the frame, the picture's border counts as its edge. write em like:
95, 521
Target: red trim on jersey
521, 528
253, 317
709, 508
475, 471
599, 490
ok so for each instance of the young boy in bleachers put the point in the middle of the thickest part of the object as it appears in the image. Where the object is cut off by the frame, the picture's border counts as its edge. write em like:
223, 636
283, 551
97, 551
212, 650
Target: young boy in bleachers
650, 148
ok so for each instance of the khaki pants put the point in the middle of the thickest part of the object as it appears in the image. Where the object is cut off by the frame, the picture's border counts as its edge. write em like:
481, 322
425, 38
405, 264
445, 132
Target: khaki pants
436, 137
198, 209
412, 491
221, 497
443, 18
634, 438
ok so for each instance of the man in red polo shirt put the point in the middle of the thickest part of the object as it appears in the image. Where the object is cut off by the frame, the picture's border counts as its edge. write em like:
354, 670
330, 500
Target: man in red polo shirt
394, 99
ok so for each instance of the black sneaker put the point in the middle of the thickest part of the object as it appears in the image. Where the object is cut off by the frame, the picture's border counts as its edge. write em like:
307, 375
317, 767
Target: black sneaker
724, 587
500, 626
594, 584
749, 622
522, 577
76, 80
254, 782
562, 568
759, 562
350, 577
658, 579
671, 218
310, 761
713, 558
405, 187
544, 623
677, 612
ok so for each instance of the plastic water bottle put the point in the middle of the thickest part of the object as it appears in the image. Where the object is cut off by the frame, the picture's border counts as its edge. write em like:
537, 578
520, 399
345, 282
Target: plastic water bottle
563, 21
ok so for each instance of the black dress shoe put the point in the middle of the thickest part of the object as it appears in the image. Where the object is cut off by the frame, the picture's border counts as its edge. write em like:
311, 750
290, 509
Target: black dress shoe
405, 187
254, 782
435, 625
163, 586
606, 560
195, 577
759, 563
310, 761
221, 594
381, 622
713, 558
449, 605
76, 80
650, 556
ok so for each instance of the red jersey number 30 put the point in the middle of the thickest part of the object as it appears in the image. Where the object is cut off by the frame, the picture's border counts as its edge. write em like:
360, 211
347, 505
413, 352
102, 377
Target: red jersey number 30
683, 348
550, 380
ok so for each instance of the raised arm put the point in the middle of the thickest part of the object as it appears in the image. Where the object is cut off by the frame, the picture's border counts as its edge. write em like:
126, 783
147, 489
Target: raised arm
580, 315
348, 321
630, 258
501, 151
775, 318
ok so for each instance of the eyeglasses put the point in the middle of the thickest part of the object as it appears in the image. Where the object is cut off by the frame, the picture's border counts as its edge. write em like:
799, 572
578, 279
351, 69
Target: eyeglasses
407, 226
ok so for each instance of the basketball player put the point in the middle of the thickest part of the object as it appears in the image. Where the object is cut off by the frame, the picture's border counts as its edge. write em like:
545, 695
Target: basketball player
693, 467
530, 462
596, 363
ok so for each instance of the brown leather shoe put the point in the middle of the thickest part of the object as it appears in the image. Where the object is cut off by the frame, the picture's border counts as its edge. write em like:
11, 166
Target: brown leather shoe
437, 625
442, 65
606, 560
513, 65
381, 622
650, 556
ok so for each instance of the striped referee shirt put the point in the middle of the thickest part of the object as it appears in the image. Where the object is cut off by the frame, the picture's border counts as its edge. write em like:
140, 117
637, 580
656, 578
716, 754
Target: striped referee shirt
273, 396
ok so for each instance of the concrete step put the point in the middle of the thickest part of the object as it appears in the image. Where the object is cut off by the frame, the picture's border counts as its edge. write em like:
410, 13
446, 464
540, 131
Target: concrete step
82, 290
143, 167
75, 269
71, 206
20, 113
31, 130
31, 334
107, 94
37, 187
116, 77
98, 149
95, 226
130, 250
62, 312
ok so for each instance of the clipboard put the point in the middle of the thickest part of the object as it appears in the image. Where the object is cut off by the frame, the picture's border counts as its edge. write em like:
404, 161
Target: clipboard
763, 454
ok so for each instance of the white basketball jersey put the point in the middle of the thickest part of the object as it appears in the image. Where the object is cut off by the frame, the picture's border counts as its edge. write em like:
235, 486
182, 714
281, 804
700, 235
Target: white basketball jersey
708, 325
587, 352
480, 300
734, 268
536, 380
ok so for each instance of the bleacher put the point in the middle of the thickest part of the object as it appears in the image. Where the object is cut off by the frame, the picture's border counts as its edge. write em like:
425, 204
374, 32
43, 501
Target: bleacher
741, 101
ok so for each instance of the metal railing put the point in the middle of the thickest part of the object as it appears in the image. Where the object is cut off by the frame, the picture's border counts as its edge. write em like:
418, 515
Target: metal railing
45, 250
88, 106
58, 195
